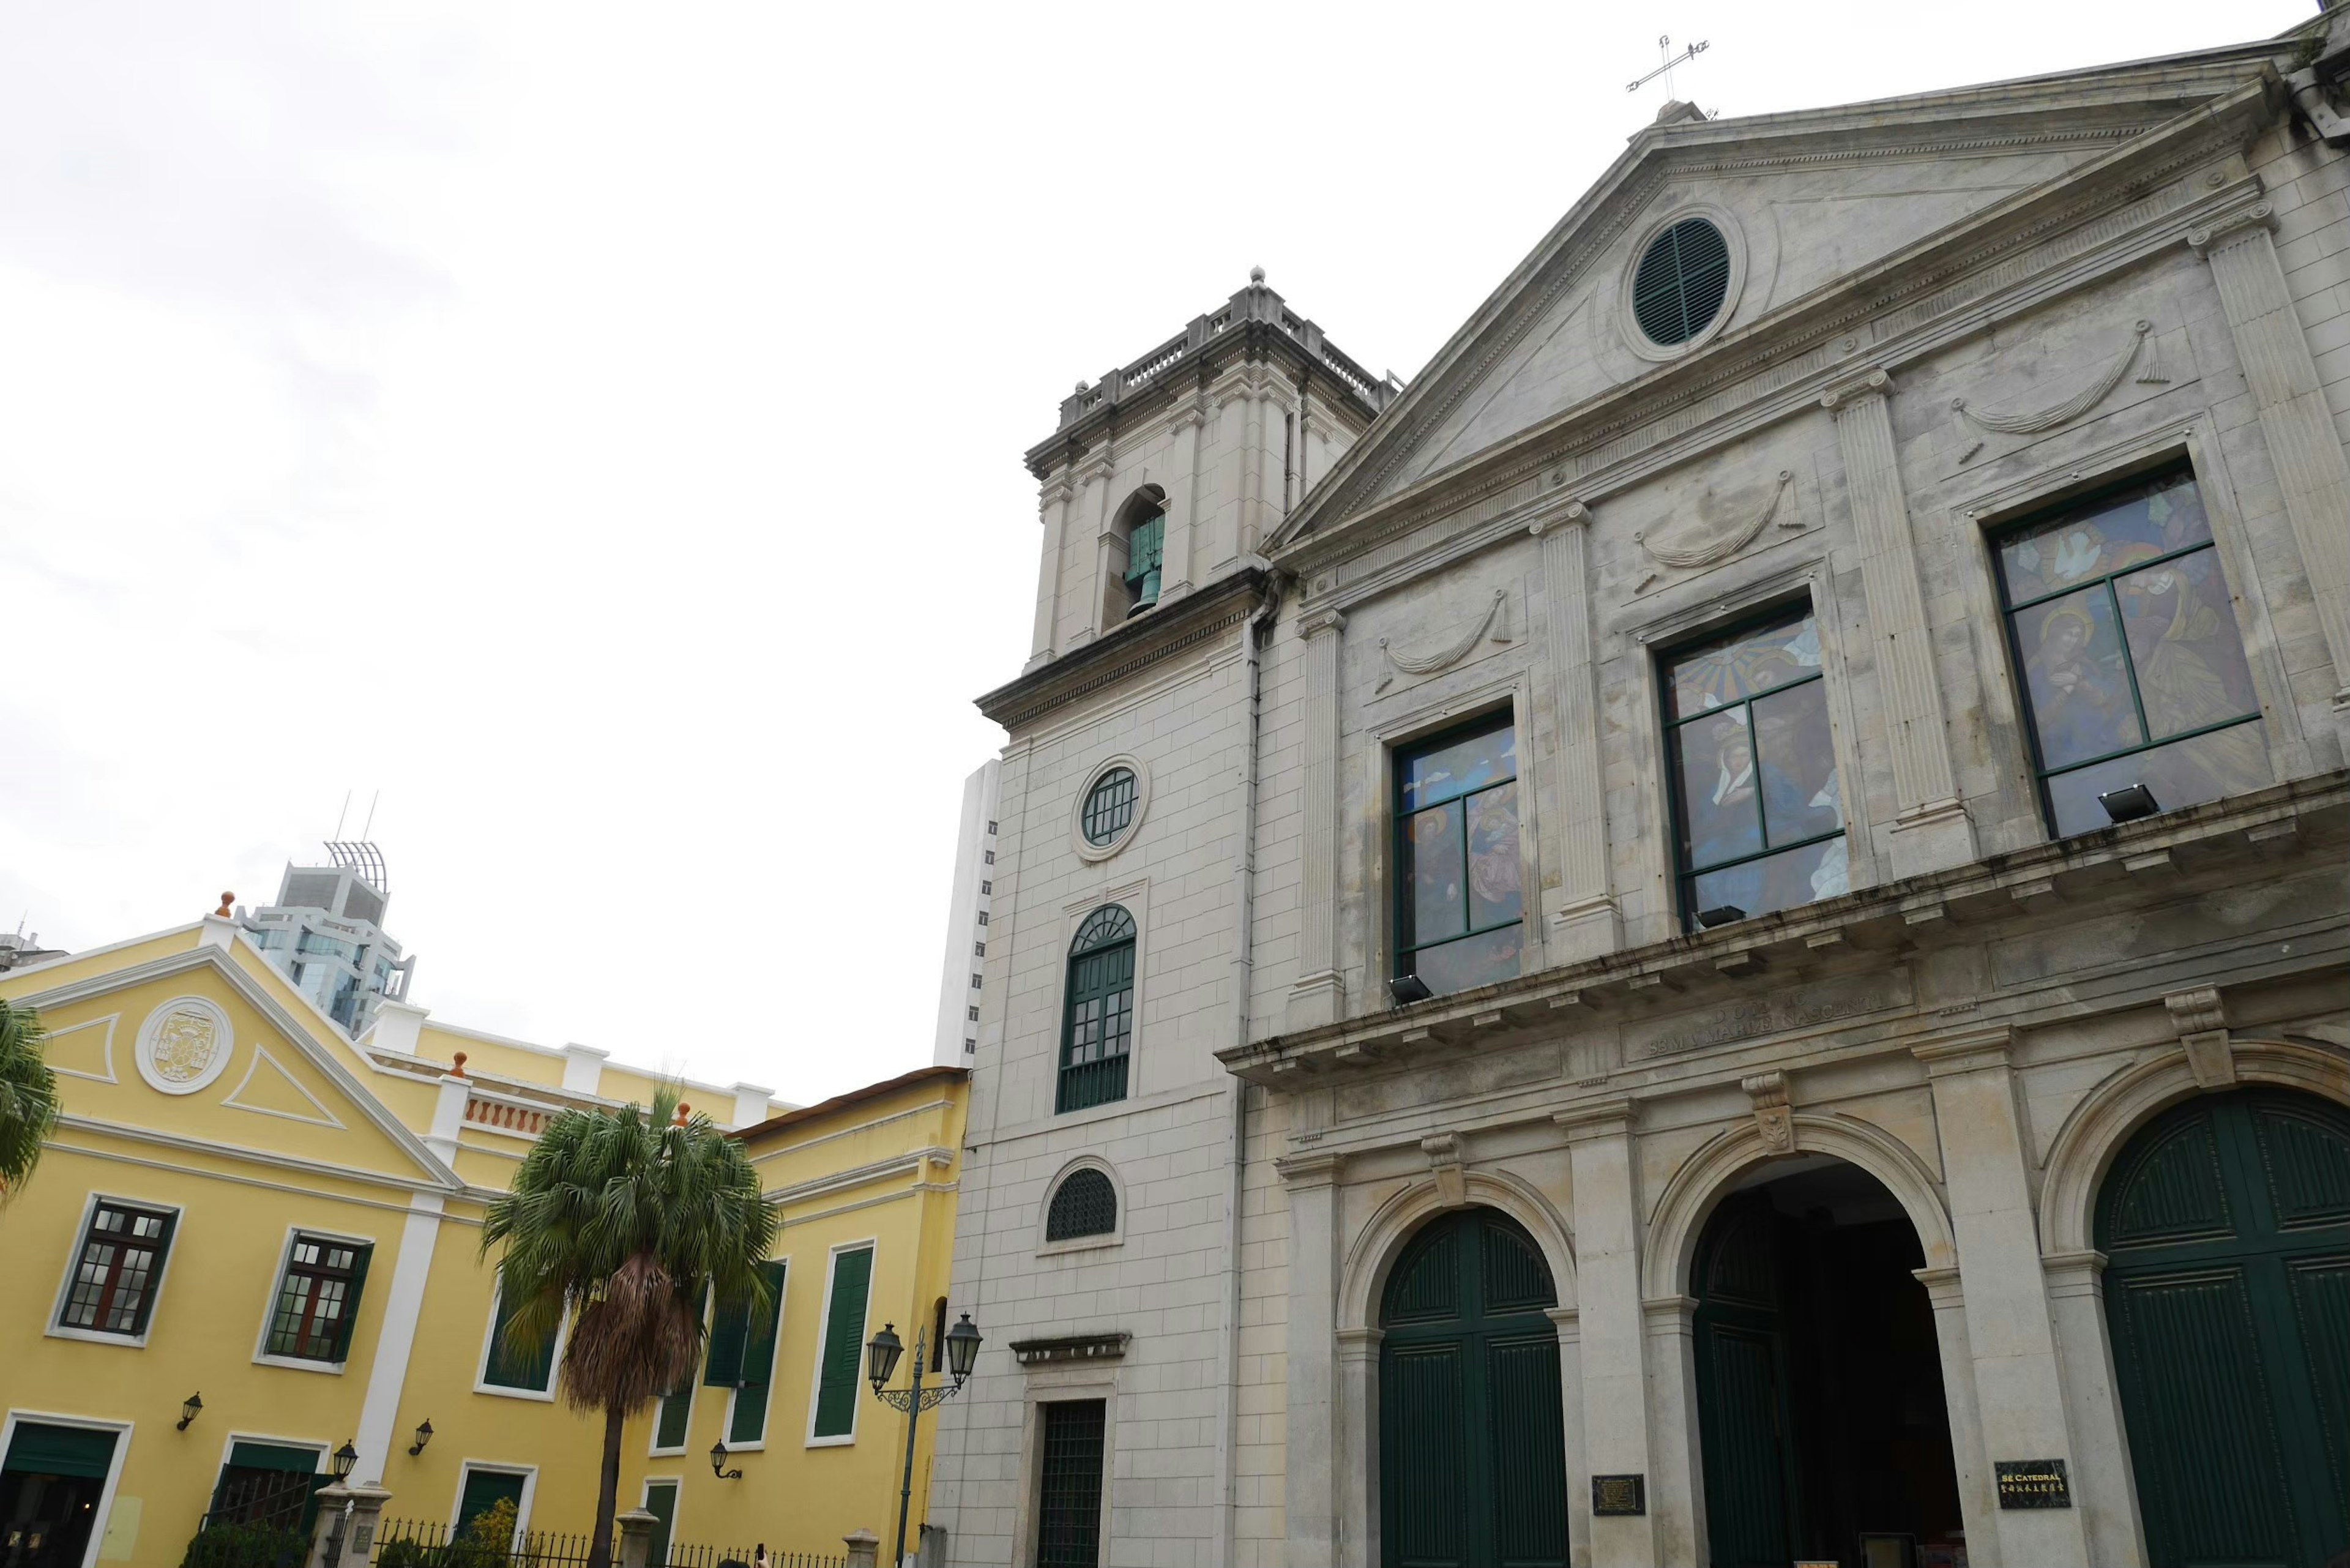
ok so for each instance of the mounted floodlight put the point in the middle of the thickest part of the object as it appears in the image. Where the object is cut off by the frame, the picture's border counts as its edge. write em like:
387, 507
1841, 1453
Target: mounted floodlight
1720, 915
2128, 803
1407, 989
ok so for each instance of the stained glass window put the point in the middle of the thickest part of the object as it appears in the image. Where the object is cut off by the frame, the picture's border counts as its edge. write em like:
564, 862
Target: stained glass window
1097, 1029
1460, 915
1109, 806
319, 1299
2126, 649
1757, 808
123, 1255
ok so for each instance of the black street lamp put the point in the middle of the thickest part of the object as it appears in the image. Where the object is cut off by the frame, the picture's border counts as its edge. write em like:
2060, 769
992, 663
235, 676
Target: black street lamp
881, 1353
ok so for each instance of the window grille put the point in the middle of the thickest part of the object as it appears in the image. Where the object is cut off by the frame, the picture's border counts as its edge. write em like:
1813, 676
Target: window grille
1109, 806
1097, 1028
1086, 1204
1068, 1514
1681, 281
123, 1255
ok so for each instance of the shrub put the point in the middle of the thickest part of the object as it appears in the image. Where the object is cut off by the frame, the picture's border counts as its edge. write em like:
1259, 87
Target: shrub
245, 1547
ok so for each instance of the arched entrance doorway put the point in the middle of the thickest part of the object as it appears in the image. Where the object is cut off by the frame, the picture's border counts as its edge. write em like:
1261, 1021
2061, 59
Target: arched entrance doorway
1472, 1457
2226, 1221
1819, 1380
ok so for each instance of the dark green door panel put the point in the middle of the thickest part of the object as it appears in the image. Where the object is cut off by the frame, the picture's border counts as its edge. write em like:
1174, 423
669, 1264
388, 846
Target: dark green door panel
2227, 1221
1744, 1424
1471, 1436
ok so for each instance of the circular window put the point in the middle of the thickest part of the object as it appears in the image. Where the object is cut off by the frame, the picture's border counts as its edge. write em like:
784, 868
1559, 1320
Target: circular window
1681, 281
1109, 806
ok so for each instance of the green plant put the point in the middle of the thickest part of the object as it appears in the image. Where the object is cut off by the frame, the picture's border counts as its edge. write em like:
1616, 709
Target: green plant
245, 1547
28, 1097
623, 1219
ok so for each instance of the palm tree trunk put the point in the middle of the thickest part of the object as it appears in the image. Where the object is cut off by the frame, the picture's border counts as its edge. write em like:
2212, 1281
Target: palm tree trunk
608, 1489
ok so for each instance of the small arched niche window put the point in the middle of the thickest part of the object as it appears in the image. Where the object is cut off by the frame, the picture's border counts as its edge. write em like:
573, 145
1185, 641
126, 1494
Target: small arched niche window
1084, 1204
1098, 1026
1141, 535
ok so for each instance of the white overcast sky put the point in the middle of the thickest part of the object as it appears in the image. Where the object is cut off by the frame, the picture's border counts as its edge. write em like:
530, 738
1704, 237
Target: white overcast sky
597, 428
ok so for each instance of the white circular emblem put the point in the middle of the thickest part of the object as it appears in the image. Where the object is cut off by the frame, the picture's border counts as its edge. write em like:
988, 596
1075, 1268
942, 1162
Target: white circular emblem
184, 1044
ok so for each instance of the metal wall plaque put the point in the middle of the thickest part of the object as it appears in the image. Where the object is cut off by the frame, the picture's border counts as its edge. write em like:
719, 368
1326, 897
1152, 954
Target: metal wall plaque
1619, 1494
2033, 1484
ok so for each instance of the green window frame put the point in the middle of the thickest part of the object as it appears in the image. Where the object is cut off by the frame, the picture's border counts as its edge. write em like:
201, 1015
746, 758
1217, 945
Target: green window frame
832, 1415
743, 1357
118, 1269
1109, 806
1768, 665
1098, 1013
317, 1304
521, 1369
2164, 614
1459, 912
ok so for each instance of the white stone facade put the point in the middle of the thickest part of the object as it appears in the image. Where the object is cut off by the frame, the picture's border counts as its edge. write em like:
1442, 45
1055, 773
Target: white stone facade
1944, 315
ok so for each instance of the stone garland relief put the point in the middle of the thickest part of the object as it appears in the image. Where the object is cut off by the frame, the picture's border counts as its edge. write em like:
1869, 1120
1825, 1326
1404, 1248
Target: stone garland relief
1698, 549
1494, 623
2073, 407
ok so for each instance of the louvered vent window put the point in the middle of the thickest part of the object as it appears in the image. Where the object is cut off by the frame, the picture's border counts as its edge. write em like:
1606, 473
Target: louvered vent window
1084, 1205
1681, 282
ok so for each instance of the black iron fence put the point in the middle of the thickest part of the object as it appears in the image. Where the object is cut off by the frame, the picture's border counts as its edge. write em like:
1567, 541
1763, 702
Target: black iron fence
423, 1543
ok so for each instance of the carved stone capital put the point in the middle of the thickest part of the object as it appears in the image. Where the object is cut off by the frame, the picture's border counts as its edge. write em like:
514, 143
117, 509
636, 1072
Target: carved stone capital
1186, 416
1875, 382
1445, 1159
2194, 1012
2202, 1020
1061, 487
1969, 1053
1301, 1171
1773, 1117
1573, 514
2230, 225
1315, 621
1601, 1118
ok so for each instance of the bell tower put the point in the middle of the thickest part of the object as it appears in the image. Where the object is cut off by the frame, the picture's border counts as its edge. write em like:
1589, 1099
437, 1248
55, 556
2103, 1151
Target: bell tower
1167, 473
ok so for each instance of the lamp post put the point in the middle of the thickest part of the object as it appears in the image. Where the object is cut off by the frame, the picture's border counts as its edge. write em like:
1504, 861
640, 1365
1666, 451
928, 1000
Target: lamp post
881, 1353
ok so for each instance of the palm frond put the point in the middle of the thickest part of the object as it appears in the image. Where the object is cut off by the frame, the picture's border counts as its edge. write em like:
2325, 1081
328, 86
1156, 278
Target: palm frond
28, 1097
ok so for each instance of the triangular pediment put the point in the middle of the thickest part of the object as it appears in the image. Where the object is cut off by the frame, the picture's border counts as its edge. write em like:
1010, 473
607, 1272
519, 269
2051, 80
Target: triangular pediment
1804, 201
207, 1050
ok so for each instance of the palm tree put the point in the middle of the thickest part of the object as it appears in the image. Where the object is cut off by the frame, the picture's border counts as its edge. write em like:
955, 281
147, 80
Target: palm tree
623, 1219
28, 1097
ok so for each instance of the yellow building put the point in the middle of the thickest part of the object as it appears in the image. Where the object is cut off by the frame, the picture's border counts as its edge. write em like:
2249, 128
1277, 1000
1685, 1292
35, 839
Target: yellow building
241, 1205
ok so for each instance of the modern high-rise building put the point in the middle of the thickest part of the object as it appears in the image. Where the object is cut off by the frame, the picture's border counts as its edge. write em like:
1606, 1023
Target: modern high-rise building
325, 931
960, 977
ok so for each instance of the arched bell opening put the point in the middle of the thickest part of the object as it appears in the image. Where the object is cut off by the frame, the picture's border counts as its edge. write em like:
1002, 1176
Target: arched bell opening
1473, 1456
1824, 1429
1137, 548
2225, 1223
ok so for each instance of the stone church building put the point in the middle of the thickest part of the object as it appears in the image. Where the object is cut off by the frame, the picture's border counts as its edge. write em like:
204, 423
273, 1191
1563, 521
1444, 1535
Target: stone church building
1715, 934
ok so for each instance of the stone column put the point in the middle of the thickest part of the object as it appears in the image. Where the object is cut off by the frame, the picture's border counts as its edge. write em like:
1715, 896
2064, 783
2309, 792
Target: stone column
1313, 1503
1182, 504
2011, 1333
1978, 1498
1677, 1480
2303, 444
1054, 507
1568, 1321
1613, 1334
636, 1537
1579, 914
1089, 519
350, 1515
1931, 829
1358, 1447
2103, 1488
1319, 992
864, 1548
1259, 511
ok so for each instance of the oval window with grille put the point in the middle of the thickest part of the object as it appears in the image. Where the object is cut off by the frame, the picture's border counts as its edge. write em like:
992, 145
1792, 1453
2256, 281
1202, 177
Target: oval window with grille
1680, 283
1084, 1205
1109, 806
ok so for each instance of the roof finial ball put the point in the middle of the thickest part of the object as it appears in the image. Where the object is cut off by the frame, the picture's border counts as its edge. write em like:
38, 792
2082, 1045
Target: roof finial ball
1256, 274
224, 912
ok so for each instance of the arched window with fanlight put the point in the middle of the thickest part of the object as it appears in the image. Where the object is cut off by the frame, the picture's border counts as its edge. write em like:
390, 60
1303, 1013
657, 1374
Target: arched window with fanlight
1084, 1204
1098, 1022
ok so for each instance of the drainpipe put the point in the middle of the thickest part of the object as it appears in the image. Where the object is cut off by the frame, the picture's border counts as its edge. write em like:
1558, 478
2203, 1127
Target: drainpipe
1244, 880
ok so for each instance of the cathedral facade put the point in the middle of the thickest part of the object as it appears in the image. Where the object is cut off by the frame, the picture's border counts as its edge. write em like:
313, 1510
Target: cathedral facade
1715, 933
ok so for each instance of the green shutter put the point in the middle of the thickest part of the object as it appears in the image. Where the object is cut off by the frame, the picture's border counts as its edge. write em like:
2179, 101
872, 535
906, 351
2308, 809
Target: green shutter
676, 1414
728, 1331
40, 1450
844, 1344
517, 1366
750, 1422
344, 1327
273, 1457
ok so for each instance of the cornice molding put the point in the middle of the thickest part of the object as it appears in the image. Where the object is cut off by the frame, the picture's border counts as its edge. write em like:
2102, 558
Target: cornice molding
1174, 629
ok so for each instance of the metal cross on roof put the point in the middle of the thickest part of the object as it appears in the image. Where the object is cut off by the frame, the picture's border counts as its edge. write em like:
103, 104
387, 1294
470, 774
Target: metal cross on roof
1670, 59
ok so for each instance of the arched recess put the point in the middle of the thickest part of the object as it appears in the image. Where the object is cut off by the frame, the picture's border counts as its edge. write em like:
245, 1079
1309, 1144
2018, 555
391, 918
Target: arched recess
1133, 554
1689, 1198
1362, 1281
2113, 1111
1111, 1237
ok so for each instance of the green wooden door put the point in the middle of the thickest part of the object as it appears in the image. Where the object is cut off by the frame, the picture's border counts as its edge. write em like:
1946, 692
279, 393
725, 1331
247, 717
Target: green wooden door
2227, 1221
1472, 1453
1751, 1515
484, 1489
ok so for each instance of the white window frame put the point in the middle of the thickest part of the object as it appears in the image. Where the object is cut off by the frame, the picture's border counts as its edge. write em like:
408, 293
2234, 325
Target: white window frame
529, 1473
261, 1355
677, 1513
653, 1450
229, 1443
824, 1337
726, 1422
489, 1336
104, 1513
54, 1329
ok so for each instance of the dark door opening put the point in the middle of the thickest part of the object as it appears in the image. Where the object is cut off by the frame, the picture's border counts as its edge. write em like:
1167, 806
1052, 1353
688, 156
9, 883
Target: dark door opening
49, 1491
1069, 1483
1820, 1406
